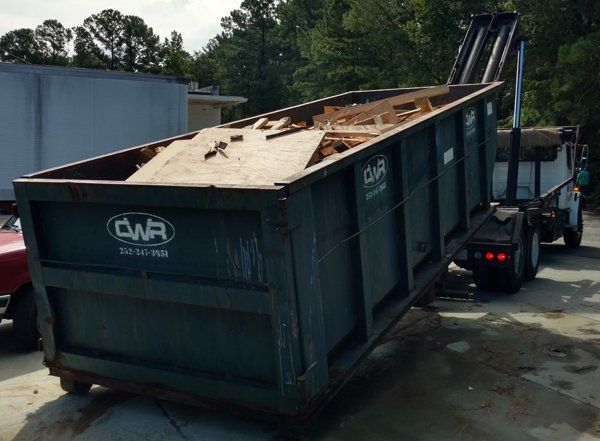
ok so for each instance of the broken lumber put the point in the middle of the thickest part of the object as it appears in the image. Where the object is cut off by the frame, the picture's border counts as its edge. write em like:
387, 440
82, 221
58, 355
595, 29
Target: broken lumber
260, 123
397, 100
383, 108
424, 104
282, 123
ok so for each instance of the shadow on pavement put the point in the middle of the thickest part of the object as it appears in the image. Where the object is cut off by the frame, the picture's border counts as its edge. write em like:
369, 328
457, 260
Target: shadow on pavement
15, 362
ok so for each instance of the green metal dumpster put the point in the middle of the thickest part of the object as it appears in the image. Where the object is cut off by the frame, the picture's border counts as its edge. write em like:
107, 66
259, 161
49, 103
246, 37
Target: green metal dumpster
263, 297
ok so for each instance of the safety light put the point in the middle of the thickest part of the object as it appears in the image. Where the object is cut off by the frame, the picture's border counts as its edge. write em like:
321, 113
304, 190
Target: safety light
501, 257
489, 256
576, 188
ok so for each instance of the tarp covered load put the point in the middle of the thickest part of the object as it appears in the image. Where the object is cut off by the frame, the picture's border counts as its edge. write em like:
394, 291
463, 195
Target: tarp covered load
532, 137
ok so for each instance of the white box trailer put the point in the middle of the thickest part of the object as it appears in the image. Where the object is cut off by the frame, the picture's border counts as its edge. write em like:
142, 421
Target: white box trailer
54, 115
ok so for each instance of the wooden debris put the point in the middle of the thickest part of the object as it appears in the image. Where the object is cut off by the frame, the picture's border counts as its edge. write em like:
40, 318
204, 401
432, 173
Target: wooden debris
252, 161
282, 123
285, 132
335, 131
262, 122
326, 151
397, 100
402, 115
383, 109
424, 104
215, 146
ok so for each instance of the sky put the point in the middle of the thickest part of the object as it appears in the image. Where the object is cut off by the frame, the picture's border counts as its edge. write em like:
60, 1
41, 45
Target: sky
197, 20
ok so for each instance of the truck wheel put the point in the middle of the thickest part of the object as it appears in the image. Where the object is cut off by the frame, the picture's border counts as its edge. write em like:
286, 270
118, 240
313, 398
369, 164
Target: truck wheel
532, 261
571, 237
74, 387
509, 279
484, 278
25, 328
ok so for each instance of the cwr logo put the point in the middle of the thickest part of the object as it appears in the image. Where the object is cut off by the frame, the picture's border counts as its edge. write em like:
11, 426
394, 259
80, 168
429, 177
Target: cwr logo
143, 229
470, 118
374, 171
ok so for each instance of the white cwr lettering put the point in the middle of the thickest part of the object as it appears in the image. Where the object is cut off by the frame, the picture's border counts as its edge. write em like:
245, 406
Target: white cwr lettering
374, 173
150, 231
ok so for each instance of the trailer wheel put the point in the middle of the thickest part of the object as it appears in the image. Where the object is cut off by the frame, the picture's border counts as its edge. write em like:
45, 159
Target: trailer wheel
509, 279
25, 328
571, 237
484, 278
532, 260
74, 387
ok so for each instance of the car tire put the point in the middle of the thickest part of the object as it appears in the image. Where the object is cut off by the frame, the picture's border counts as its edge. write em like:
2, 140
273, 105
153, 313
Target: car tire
75, 387
532, 259
25, 327
510, 279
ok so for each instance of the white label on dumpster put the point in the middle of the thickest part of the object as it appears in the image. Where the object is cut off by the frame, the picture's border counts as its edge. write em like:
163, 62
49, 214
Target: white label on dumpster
490, 108
448, 155
140, 229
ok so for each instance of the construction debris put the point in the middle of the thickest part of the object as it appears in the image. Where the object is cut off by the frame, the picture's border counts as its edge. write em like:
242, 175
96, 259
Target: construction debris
269, 151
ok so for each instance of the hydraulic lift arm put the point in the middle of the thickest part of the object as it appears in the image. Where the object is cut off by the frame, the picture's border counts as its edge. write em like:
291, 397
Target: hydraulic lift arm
481, 58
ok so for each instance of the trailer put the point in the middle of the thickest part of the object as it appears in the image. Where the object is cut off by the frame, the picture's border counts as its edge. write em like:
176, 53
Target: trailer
262, 297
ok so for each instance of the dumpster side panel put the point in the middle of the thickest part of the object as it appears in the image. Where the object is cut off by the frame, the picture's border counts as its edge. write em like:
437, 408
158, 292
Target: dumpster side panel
419, 205
473, 144
165, 333
447, 157
332, 199
375, 197
208, 243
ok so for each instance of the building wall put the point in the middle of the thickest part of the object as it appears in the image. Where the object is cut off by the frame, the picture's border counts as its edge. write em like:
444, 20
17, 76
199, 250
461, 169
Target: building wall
53, 116
201, 116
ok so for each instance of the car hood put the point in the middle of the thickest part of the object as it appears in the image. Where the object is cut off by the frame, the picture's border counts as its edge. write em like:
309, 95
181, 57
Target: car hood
11, 241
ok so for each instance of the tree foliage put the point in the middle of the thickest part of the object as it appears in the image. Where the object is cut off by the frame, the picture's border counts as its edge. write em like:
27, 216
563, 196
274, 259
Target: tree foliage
278, 53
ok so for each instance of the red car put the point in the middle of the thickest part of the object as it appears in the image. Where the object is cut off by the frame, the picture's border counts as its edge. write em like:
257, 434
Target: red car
16, 292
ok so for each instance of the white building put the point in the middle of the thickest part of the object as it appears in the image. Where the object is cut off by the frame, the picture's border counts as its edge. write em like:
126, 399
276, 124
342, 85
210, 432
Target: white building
204, 107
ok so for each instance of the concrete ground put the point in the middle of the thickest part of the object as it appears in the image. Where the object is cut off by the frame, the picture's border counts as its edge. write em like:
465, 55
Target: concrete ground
491, 367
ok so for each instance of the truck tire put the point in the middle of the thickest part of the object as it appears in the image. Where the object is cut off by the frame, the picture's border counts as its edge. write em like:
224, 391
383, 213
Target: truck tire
74, 387
532, 260
25, 327
571, 237
510, 279
484, 278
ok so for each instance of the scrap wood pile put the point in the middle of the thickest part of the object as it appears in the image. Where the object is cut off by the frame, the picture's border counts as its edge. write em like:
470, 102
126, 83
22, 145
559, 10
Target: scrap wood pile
269, 151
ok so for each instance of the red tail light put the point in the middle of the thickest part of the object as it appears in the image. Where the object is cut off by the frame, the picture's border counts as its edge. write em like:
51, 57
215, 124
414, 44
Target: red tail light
501, 257
489, 256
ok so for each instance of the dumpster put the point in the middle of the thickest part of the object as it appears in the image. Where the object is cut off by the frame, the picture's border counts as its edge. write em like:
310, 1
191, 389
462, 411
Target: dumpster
254, 296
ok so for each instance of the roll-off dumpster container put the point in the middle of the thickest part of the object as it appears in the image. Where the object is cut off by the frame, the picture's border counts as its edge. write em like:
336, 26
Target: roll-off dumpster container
265, 297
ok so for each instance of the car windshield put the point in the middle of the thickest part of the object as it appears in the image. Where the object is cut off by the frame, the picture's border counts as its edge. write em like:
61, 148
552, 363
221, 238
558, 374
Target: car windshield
13, 223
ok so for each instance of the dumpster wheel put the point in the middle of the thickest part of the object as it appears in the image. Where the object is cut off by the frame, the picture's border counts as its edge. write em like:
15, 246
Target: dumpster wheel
75, 387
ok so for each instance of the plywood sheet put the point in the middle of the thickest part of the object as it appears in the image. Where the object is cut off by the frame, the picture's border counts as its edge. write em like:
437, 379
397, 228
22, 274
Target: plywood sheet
252, 161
